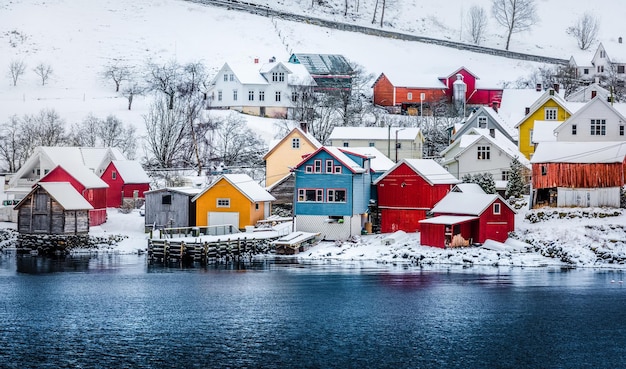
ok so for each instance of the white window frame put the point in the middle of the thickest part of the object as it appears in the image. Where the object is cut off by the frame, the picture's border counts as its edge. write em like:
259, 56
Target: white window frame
331, 195
598, 127
551, 113
409, 96
497, 208
328, 168
295, 143
222, 202
482, 121
483, 152
317, 166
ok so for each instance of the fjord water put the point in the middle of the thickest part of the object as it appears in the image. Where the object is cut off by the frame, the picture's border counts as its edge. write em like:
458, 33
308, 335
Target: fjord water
119, 311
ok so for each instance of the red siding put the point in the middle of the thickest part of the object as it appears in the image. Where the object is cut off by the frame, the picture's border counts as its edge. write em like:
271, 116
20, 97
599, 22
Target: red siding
97, 217
118, 188
578, 175
59, 174
435, 234
386, 94
383, 91
404, 196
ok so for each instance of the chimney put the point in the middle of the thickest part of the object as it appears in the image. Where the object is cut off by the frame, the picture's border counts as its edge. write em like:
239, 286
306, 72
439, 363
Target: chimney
256, 60
272, 59
526, 111
619, 39
304, 126
492, 132
494, 106
538, 87
593, 93
556, 87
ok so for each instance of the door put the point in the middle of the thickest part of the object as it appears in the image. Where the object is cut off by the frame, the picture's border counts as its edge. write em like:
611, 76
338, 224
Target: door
223, 218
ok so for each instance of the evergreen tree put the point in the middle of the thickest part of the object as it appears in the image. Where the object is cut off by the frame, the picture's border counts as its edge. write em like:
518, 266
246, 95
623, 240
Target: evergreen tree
516, 185
484, 180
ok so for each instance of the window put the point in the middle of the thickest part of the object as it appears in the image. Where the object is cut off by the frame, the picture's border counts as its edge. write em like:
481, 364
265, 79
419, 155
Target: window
295, 143
482, 122
251, 95
544, 170
621, 130
223, 203
310, 195
308, 169
113, 175
166, 199
506, 174
574, 128
484, 153
409, 96
371, 144
551, 113
294, 96
225, 77
346, 144
586, 71
329, 166
232, 77
496, 208
219, 95
598, 127
338, 169
256, 206
261, 95
317, 164
531, 136
600, 68
234, 95
398, 145
620, 69
336, 196
277, 95
602, 54
278, 77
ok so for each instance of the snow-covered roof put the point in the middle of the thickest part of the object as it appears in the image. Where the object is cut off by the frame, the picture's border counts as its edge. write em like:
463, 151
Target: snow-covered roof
583, 93
306, 135
65, 194
465, 203
415, 80
374, 133
131, 171
83, 175
379, 162
299, 75
246, 73
343, 158
615, 50
472, 137
244, 184
543, 130
514, 103
189, 191
448, 219
428, 169
468, 188
578, 152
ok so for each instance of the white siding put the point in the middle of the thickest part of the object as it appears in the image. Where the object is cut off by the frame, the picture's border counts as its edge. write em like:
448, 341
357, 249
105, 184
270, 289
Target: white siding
588, 197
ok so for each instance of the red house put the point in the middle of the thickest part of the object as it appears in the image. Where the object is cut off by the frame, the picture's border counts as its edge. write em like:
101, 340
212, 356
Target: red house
126, 180
462, 219
408, 190
400, 92
89, 185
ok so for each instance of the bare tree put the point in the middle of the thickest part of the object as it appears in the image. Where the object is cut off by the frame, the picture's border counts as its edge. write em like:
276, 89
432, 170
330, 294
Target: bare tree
16, 70
237, 145
164, 78
10, 147
43, 71
515, 15
476, 23
86, 132
585, 30
116, 72
109, 132
132, 89
166, 134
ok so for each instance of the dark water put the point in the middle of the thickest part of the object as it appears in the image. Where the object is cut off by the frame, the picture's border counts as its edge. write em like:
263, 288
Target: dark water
116, 311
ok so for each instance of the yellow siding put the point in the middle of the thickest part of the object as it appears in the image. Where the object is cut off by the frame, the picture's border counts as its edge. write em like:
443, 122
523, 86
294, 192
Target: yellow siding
525, 145
239, 203
284, 156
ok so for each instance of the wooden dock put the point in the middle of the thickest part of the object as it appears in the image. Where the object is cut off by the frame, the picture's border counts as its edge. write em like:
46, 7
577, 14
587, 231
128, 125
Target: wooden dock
294, 243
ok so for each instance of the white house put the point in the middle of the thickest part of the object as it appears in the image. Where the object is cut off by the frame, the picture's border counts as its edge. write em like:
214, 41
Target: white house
263, 89
482, 151
586, 93
597, 121
396, 142
609, 58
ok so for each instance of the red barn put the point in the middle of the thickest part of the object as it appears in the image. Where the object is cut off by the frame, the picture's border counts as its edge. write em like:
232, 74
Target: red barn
475, 94
408, 190
465, 218
126, 180
92, 188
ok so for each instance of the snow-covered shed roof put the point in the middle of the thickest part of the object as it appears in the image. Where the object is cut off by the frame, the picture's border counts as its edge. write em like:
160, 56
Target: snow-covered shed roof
577, 152
428, 169
514, 103
374, 133
543, 130
415, 80
468, 188
448, 219
131, 171
244, 184
64, 194
246, 73
323, 64
466, 203
379, 162
472, 137
83, 175
189, 191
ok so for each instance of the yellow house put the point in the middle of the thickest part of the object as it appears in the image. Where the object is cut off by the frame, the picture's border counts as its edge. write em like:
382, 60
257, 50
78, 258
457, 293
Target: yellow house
287, 153
547, 112
234, 199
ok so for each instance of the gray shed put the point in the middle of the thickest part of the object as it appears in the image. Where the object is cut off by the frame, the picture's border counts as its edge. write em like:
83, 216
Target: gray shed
171, 207
53, 208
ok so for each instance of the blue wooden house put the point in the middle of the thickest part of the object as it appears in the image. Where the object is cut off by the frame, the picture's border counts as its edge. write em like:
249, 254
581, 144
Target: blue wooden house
332, 193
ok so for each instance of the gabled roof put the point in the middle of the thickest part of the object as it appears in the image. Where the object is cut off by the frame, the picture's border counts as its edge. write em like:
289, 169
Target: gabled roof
430, 170
457, 71
279, 182
474, 135
244, 184
615, 51
594, 102
543, 130
548, 95
131, 171
467, 203
336, 153
63, 193
515, 101
189, 191
580, 94
246, 73
503, 126
468, 188
84, 176
578, 152
323, 64
307, 136
413, 80
379, 162
375, 133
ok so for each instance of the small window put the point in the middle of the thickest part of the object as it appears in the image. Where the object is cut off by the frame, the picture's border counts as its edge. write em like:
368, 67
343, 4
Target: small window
598, 127
398, 145
310, 195
277, 96
329, 166
336, 196
586, 71
318, 166
113, 175
484, 153
295, 143
256, 206
261, 95
294, 96
308, 169
371, 144
234, 95
225, 77
232, 77
166, 200
544, 170
620, 69
223, 203
551, 113
496, 208
482, 122
574, 130
621, 130
409, 96
250, 95
219, 95
346, 144
506, 174
338, 169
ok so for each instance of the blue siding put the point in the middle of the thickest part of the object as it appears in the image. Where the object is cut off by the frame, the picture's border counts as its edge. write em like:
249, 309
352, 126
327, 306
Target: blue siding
357, 187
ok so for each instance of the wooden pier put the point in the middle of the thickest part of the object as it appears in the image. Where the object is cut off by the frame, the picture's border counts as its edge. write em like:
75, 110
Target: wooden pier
162, 250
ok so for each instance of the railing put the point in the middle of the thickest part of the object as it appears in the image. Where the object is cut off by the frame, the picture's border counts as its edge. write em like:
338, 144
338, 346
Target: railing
216, 230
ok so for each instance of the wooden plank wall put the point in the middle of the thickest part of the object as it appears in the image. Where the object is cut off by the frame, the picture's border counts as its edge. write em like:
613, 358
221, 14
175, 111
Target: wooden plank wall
576, 175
